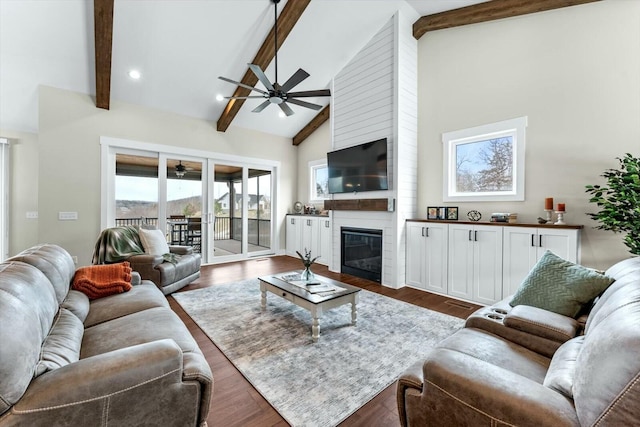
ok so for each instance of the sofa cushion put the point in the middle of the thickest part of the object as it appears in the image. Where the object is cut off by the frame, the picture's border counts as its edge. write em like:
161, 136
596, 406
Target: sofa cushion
62, 345
141, 297
563, 366
28, 307
77, 303
560, 286
153, 241
54, 262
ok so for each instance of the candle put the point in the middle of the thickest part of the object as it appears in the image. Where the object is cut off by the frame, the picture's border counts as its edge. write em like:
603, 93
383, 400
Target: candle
548, 203
560, 207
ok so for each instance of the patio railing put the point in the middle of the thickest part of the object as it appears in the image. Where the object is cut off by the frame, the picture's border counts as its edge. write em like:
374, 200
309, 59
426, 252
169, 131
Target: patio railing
225, 228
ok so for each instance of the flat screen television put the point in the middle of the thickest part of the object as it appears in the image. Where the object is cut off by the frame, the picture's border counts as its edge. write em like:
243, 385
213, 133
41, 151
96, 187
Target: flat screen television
359, 168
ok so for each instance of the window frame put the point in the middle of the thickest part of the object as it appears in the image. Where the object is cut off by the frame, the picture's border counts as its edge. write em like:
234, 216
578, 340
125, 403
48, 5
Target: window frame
514, 128
314, 166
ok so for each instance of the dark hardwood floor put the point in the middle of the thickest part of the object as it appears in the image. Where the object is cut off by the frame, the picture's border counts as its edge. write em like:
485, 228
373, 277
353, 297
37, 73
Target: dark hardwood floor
236, 403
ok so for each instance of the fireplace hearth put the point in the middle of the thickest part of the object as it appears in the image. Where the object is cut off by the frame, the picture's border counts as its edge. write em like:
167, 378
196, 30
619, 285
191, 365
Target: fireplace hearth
361, 253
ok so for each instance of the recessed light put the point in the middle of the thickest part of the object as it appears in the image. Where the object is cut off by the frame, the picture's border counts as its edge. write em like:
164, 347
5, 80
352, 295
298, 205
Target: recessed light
135, 74
282, 114
219, 98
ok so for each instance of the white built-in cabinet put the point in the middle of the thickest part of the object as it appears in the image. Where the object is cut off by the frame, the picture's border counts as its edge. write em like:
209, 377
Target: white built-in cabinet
427, 254
523, 247
312, 233
475, 263
482, 263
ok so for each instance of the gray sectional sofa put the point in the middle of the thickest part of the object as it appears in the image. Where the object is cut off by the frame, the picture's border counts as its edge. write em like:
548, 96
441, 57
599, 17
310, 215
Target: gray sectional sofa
65, 360
524, 366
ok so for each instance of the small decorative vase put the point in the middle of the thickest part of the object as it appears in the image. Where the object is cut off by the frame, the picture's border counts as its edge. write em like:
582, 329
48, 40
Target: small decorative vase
307, 275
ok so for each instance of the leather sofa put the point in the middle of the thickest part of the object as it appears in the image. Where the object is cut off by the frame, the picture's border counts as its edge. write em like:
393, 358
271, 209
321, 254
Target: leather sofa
169, 272
525, 366
121, 360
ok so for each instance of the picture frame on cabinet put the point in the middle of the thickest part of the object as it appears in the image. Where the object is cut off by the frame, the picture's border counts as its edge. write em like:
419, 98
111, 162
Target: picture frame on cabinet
452, 213
442, 212
432, 212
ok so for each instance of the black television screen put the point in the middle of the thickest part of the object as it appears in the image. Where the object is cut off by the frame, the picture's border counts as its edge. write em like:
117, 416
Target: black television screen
359, 168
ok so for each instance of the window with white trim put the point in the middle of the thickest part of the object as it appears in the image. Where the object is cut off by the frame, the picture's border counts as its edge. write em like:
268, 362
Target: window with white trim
318, 181
485, 163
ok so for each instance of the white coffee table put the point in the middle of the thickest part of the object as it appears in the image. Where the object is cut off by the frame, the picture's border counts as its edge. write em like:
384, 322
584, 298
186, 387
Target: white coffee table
316, 303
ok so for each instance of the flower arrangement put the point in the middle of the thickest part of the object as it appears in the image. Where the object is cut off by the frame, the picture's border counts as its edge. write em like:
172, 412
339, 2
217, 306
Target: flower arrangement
306, 259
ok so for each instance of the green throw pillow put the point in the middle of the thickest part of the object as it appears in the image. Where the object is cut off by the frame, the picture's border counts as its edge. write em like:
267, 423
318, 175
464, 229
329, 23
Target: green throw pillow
559, 286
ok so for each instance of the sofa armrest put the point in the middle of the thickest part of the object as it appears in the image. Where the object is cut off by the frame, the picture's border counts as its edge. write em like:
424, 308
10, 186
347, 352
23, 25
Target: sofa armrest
542, 323
460, 389
140, 262
181, 250
103, 375
411, 379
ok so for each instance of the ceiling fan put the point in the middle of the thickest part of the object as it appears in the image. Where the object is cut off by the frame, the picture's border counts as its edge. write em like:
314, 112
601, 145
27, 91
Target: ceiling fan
276, 93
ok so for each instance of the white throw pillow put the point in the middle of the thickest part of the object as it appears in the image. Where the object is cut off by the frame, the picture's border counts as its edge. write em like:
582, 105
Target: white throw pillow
153, 241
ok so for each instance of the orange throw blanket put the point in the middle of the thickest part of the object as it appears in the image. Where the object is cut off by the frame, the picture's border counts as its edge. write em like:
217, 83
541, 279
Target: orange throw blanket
99, 281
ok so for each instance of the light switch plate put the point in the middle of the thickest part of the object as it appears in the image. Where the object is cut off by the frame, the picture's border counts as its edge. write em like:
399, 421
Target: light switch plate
32, 214
67, 216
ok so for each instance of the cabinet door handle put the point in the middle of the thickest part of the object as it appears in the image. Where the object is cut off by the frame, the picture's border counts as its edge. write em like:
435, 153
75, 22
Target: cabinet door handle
533, 242
470, 236
422, 231
475, 236
540, 240
293, 221
427, 231
326, 224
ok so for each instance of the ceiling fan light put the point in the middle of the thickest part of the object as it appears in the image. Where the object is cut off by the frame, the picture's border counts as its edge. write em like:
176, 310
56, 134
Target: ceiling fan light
180, 170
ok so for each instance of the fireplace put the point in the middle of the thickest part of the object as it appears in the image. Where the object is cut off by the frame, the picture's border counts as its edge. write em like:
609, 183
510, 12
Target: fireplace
361, 253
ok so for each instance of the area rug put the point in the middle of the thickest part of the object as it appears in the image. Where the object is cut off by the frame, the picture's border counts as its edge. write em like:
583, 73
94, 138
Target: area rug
315, 384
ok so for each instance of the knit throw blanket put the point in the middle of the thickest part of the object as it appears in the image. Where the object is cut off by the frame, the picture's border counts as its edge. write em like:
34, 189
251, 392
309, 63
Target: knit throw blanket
99, 281
117, 244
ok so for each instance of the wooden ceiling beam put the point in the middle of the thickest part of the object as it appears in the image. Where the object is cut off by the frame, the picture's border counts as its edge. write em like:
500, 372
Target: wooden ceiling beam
103, 35
488, 11
314, 124
287, 19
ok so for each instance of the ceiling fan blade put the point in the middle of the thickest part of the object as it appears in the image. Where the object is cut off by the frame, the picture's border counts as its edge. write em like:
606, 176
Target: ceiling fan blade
244, 97
261, 76
309, 93
286, 109
261, 107
304, 104
243, 85
294, 80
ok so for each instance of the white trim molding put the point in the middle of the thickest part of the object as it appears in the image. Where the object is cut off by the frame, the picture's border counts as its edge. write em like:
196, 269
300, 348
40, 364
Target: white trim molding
4, 197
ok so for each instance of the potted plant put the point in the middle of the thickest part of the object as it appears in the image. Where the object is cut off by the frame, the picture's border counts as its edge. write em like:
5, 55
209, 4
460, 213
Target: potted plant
619, 201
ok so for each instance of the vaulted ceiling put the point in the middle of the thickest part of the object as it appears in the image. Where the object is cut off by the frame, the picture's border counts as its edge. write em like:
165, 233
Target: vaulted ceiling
181, 47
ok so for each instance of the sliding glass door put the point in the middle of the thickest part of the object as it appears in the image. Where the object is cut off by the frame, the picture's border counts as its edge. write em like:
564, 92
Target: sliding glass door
222, 209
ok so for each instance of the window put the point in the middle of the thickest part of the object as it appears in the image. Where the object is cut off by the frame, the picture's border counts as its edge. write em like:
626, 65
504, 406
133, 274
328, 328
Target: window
485, 163
318, 180
4, 198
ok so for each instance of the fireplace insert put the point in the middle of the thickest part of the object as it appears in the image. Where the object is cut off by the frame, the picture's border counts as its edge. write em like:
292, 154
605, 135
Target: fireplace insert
361, 253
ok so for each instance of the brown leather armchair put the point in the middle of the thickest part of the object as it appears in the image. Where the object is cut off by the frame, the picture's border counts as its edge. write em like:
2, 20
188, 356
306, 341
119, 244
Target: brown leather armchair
170, 272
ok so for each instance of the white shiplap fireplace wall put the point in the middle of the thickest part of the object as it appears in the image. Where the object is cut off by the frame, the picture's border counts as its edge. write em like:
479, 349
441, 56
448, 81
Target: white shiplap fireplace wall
375, 96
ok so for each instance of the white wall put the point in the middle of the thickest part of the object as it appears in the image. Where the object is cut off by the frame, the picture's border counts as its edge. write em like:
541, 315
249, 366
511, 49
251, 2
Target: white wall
575, 72
315, 147
69, 159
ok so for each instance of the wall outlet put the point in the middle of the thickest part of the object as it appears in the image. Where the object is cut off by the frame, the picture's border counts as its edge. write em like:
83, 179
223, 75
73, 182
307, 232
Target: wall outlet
67, 216
32, 215
75, 259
